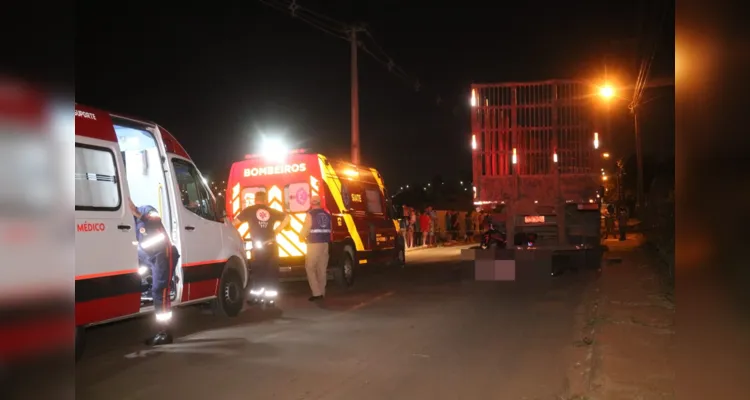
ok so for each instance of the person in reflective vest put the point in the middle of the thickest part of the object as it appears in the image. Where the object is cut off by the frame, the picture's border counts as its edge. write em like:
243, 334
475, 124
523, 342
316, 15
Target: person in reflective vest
262, 222
316, 232
157, 253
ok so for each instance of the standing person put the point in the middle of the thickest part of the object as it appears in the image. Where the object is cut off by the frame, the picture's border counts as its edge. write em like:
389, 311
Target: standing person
404, 224
316, 232
424, 226
448, 225
609, 221
477, 221
455, 227
260, 219
412, 226
433, 225
622, 222
417, 229
467, 226
156, 251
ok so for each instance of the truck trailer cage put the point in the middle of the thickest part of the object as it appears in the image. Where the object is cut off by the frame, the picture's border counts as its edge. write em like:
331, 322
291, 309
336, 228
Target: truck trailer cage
535, 149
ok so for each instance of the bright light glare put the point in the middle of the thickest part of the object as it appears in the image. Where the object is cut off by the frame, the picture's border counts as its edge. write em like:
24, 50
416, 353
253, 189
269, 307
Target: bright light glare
606, 91
274, 149
473, 142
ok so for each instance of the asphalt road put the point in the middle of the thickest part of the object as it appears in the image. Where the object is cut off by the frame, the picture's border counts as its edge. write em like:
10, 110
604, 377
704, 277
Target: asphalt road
426, 332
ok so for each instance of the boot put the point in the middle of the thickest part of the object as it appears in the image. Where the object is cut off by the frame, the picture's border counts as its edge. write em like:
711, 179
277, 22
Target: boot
160, 338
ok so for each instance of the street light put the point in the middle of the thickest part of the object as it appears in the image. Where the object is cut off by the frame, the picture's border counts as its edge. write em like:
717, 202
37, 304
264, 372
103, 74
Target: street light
606, 91
605, 155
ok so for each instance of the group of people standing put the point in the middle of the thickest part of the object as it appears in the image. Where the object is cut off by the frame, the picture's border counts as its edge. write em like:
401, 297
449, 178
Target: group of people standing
621, 215
422, 228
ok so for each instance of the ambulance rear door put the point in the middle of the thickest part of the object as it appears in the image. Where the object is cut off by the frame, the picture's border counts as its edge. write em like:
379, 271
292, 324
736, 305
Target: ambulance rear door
107, 282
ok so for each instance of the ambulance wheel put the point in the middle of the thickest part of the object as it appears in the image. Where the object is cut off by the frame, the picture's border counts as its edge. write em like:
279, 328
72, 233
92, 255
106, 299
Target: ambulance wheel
344, 274
80, 341
230, 298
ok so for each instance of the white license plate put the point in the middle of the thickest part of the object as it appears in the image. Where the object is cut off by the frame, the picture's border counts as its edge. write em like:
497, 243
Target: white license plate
285, 269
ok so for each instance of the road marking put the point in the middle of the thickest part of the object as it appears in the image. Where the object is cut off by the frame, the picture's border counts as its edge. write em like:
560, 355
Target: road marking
367, 303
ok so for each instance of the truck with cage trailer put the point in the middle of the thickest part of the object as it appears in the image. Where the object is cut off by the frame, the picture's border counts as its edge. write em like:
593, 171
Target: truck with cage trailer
536, 163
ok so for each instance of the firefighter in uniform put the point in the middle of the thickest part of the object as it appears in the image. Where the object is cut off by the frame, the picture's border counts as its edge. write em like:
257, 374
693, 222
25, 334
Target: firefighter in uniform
156, 252
316, 231
265, 254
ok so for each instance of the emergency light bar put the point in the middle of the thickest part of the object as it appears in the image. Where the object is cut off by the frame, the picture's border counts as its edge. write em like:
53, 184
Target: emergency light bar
254, 156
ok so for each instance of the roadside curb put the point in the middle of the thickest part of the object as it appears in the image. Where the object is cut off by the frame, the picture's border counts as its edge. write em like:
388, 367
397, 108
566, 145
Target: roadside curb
413, 249
623, 331
581, 355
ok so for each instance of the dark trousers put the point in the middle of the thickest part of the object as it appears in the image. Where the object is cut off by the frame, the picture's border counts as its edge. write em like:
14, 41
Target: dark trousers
162, 270
265, 268
623, 229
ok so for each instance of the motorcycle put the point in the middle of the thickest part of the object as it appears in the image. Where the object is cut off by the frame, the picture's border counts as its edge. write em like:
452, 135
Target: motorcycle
492, 238
263, 296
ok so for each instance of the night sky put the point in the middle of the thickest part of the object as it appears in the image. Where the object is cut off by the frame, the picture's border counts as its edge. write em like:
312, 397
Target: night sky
218, 76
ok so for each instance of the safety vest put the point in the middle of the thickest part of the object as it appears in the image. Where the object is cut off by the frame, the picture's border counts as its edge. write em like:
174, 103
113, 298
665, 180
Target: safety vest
320, 229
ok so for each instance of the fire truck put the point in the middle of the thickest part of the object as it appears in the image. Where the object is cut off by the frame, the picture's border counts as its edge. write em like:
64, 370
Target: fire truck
365, 229
535, 158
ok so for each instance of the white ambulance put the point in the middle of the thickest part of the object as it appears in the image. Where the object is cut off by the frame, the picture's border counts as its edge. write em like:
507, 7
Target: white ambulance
117, 157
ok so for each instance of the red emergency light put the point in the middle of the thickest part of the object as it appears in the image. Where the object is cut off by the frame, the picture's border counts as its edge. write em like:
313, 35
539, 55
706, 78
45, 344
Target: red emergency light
295, 151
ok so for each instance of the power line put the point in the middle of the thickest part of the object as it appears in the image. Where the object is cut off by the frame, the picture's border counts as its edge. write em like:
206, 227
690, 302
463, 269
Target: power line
646, 64
341, 30
332, 27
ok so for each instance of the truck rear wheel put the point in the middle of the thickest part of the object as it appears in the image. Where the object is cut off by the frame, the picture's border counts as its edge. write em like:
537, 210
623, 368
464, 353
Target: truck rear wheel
344, 273
231, 295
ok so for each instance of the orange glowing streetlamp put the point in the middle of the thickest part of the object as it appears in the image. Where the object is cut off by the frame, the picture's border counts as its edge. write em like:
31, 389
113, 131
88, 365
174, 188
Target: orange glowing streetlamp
607, 91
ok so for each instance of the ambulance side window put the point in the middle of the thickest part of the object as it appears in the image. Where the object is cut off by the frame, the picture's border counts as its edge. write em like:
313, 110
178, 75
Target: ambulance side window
193, 191
374, 201
96, 180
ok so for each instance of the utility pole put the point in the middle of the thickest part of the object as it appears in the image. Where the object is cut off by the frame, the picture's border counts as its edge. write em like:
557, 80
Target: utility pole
639, 162
355, 92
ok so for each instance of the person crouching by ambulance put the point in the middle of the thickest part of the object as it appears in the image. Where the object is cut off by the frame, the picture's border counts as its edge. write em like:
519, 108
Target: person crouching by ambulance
316, 232
156, 252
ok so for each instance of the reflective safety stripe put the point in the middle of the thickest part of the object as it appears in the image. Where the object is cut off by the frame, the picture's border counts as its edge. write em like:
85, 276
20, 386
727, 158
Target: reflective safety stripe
320, 231
154, 240
164, 317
